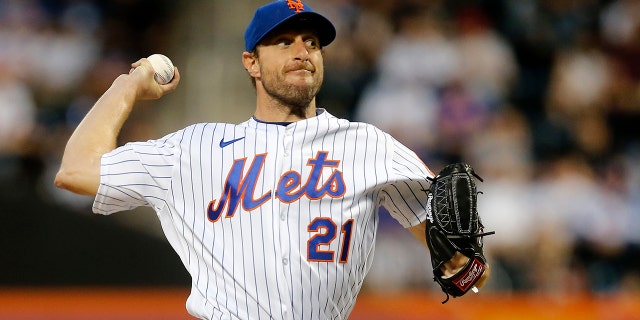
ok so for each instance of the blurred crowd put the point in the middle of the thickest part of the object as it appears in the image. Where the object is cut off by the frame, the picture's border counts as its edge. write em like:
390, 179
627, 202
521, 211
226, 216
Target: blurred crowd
57, 57
540, 96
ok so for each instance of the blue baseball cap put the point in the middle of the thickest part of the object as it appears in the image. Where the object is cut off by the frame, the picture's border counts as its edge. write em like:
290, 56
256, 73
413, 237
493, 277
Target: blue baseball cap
274, 14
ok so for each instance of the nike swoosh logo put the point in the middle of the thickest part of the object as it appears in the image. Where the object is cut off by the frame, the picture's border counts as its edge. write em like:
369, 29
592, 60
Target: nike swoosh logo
226, 143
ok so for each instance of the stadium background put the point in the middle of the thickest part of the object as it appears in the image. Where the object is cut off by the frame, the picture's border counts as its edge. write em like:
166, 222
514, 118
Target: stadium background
542, 96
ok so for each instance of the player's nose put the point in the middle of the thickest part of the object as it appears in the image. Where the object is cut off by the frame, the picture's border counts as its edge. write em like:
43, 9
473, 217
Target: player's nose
300, 49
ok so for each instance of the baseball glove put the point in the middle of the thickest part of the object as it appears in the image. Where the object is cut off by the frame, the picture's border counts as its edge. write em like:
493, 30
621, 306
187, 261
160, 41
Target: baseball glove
454, 225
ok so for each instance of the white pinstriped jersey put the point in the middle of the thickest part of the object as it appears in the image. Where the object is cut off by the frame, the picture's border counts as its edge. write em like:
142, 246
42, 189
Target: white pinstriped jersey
272, 221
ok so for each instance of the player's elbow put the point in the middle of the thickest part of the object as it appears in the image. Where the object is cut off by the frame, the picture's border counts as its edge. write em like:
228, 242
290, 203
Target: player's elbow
63, 180
76, 182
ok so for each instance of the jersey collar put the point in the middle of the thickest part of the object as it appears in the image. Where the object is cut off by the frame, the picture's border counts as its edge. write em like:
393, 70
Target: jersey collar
254, 122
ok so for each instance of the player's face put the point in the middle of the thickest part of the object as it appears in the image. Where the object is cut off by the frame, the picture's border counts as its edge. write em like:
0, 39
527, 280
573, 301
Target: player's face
291, 67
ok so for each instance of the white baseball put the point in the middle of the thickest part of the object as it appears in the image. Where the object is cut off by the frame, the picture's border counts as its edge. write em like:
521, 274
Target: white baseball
162, 66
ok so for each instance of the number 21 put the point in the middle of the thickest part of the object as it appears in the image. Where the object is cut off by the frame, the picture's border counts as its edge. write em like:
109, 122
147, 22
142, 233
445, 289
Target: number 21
325, 230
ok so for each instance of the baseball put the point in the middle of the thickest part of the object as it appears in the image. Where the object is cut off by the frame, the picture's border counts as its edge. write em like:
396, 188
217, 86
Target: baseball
162, 66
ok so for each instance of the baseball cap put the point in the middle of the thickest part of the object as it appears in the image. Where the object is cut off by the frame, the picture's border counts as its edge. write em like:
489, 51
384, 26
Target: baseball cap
278, 12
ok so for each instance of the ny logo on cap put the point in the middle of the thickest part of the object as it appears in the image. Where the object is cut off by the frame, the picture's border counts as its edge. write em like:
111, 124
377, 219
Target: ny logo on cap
297, 5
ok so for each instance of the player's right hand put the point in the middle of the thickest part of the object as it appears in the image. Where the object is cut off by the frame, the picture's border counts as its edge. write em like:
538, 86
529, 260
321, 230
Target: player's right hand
142, 75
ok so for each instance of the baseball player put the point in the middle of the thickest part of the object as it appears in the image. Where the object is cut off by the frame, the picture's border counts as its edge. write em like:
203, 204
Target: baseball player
275, 217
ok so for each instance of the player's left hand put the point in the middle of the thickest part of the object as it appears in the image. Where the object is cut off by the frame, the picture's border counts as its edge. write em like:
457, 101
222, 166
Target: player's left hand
454, 231
459, 260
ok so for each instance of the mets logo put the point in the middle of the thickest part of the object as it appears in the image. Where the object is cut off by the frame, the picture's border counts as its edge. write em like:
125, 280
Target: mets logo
296, 5
239, 189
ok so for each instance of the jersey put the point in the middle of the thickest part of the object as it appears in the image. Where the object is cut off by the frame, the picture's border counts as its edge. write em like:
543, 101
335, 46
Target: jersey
272, 221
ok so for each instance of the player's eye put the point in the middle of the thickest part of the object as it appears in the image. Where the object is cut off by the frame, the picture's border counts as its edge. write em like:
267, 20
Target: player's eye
311, 43
282, 42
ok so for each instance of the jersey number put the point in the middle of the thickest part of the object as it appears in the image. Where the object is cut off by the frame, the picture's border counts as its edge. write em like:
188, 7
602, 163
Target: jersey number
325, 230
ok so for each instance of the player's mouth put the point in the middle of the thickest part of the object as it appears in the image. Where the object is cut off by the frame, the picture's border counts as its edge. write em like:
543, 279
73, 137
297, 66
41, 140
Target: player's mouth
300, 76
301, 72
302, 68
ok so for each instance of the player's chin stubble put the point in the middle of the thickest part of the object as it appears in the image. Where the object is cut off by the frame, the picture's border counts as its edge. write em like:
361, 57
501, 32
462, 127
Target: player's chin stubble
296, 97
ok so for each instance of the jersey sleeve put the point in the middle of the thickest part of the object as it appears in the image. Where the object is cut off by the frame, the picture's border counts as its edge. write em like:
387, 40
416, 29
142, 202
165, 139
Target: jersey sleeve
405, 196
136, 174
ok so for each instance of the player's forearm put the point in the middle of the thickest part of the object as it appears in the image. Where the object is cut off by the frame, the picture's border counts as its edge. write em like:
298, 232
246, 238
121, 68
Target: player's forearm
419, 232
95, 135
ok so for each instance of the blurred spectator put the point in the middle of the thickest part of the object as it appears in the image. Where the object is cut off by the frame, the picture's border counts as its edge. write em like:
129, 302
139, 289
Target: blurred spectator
621, 39
578, 95
575, 209
487, 59
501, 153
351, 58
461, 116
502, 148
620, 21
579, 81
418, 61
17, 121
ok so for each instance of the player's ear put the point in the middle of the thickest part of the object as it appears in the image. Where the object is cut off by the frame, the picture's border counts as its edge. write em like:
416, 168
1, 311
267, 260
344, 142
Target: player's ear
251, 64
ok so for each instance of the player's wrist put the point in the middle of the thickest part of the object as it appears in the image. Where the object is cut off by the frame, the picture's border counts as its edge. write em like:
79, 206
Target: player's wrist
125, 87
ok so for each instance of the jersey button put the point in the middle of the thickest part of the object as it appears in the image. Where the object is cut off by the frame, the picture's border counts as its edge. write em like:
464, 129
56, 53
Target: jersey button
283, 217
285, 261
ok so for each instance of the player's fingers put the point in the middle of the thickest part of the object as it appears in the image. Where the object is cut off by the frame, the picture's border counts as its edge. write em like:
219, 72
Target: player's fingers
166, 88
137, 63
454, 265
149, 88
176, 75
144, 63
483, 279
142, 70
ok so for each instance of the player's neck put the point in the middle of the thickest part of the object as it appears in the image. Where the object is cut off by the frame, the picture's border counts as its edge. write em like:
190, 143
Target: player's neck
272, 111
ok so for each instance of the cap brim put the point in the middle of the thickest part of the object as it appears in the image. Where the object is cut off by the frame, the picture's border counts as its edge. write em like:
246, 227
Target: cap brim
322, 27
